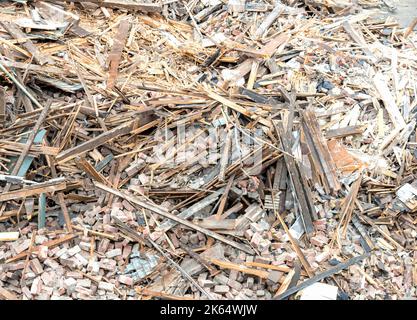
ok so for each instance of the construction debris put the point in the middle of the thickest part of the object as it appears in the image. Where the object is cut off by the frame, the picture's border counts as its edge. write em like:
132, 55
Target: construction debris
207, 149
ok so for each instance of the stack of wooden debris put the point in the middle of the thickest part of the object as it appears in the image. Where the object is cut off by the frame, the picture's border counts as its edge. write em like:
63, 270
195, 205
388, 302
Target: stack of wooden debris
207, 149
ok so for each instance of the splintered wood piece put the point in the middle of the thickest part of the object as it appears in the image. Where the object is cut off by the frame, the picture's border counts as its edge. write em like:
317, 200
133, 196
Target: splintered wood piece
239, 72
116, 52
253, 75
284, 286
410, 28
224, 198
343, 160
296, 247
381, 231
321, 276
34, 149
36, 189
283, 268
238, 267
357, 36
348, 205
162, 212
84, 165
319, 152
95, 233
126, 4
139, 237
236, 208
236, 107
95, 142
21, 87
16, 33
344, 132
361, 229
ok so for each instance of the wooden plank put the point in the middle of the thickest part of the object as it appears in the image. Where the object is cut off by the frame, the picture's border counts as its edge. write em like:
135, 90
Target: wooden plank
225, 157
42, 211
34, 149
294, 244
273, 15
283, 268
213, 224
239, 267
16, 33
224, 197
361, 229
32, 135
49, 186
116, 52
271, 47
9, 236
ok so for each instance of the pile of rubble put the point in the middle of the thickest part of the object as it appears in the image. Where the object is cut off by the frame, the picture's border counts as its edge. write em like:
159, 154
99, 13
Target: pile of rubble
207, 150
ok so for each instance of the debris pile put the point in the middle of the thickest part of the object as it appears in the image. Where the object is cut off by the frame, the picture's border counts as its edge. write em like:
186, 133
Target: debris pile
207, 149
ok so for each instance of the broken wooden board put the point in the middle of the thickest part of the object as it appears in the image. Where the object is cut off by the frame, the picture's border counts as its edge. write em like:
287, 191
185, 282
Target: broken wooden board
36, 189
126, 4
301, 191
